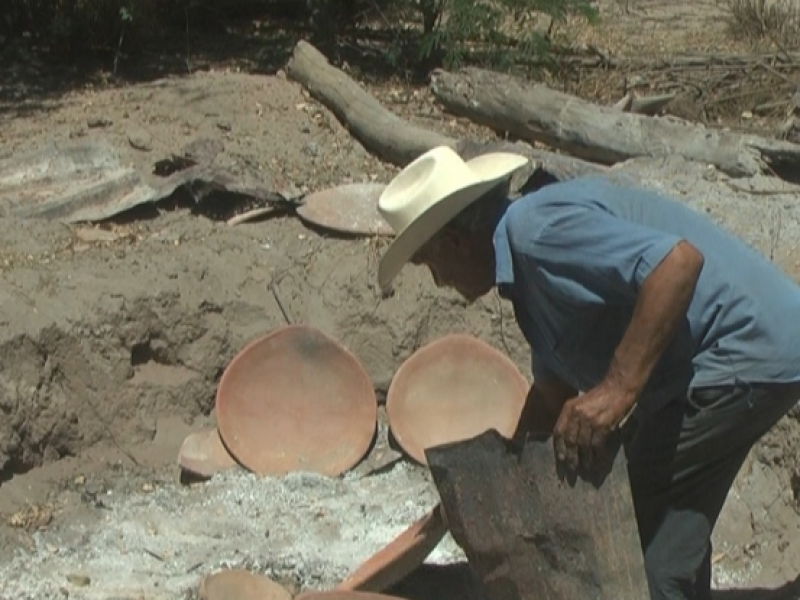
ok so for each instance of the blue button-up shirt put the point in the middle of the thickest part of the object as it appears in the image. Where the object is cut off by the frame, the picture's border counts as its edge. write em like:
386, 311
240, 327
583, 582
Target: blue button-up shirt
572, 257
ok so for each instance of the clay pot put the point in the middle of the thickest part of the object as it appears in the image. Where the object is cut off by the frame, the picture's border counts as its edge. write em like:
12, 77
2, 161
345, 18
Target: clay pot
453, 389
351, 208
401, 557
296, 400
238, 584
203, 454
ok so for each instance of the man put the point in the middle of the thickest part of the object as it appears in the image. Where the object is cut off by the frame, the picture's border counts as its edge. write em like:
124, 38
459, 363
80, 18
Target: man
639, 303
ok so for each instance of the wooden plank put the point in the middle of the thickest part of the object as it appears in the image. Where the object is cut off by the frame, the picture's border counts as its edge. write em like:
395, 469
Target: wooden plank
527, 534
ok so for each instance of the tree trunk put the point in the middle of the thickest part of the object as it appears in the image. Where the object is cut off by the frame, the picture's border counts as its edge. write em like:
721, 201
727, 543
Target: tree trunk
399, 142
533, 112
381, 132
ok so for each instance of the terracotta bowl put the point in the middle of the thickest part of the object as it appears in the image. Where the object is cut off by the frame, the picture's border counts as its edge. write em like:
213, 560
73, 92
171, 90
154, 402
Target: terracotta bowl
238, 584
296, 400
400, 557
453, 389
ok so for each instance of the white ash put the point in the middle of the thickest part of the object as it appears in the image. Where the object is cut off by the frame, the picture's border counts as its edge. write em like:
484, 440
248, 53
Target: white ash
303, 528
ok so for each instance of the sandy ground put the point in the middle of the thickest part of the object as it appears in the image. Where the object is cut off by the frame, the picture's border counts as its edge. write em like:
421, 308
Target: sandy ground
112, 340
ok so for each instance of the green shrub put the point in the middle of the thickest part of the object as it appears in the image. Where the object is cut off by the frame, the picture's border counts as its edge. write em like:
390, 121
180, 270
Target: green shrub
421, 34
452, 31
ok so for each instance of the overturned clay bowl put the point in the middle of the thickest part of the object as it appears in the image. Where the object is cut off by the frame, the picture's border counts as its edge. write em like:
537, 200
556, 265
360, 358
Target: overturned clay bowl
204, 455
296, 400
401, 557
238, 584
451, 390
351, 209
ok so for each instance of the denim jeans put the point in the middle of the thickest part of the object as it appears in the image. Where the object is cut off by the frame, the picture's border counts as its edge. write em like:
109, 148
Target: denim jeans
682, 462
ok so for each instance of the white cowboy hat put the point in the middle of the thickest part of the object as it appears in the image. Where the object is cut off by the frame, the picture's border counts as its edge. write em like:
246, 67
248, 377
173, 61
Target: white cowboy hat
429, 192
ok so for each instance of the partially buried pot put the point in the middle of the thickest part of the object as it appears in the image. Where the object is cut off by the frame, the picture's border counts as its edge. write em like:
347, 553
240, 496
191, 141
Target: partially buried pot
238, 584
451, 390
204, 455
296, 400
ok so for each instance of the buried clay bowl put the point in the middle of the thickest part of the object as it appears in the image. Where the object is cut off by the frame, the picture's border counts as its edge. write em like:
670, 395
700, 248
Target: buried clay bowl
238, 584
296, 400
452, 390
204, 455
400, 557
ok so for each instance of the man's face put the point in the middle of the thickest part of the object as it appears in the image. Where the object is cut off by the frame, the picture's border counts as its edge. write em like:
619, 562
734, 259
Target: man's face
459, 263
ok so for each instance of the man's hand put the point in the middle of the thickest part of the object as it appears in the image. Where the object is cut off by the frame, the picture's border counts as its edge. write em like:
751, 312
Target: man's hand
542, 407
585, 423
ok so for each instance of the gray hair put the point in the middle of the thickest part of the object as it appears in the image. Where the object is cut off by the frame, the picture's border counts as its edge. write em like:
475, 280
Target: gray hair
481, 215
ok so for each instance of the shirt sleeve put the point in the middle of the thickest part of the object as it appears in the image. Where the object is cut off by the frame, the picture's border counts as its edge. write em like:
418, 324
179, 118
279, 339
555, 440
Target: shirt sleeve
587, 255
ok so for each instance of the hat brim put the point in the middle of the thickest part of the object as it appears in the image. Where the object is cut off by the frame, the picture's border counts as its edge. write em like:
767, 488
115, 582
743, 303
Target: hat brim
490, 170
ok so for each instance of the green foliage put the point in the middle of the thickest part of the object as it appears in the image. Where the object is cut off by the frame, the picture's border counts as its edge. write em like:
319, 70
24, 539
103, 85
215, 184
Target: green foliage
76, 25
412, 35
494, 31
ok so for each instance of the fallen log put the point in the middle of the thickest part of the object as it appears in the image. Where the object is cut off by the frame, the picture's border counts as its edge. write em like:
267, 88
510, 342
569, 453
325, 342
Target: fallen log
603, 134
399, 142
380, 131
546, 167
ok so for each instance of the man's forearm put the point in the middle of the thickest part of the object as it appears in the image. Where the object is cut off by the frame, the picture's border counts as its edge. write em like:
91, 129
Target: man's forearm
663, 301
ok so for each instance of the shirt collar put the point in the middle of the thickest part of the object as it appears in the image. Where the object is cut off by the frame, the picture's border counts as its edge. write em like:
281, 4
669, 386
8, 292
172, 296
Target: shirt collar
504, 266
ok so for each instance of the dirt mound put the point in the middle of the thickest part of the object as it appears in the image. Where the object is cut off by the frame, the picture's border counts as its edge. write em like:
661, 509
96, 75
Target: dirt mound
104, 338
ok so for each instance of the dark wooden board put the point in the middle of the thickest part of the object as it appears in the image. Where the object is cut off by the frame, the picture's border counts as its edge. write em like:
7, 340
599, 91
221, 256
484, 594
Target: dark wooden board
529, 535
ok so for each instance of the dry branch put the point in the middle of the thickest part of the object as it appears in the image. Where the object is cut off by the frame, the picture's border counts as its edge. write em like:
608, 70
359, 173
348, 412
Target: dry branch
396, 140
536, 113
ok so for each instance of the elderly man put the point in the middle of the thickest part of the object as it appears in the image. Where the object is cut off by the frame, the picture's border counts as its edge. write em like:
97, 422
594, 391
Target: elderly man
633, 305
